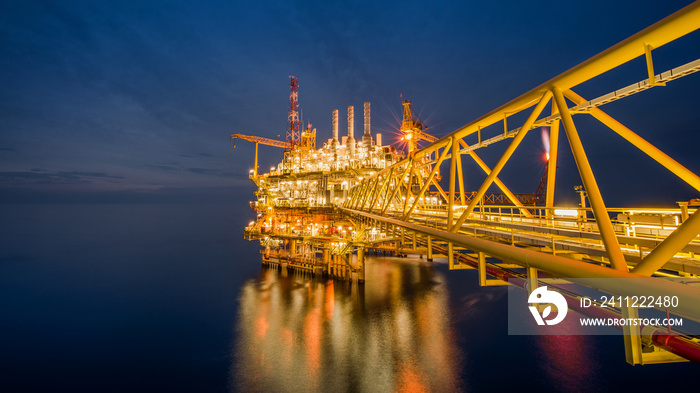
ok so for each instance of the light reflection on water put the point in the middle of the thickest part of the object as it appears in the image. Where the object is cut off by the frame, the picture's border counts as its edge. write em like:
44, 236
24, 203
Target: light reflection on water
300, 333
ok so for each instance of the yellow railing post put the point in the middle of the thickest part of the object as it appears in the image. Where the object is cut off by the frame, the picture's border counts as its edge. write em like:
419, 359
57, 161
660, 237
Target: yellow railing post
662, 253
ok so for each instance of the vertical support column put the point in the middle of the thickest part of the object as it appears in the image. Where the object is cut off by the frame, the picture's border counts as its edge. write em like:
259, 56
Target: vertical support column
632, 337
460, 176
413, 242
397, 240
684, 216
552, 169
430, 249
450, 256
650, 66
292, 247
483, 281
255, 164
607, 232
482, 269
361, 264
532, 284
336, 265
453, 174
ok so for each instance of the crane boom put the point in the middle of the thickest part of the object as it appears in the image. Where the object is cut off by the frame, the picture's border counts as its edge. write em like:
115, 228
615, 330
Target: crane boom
428, 137
264, 141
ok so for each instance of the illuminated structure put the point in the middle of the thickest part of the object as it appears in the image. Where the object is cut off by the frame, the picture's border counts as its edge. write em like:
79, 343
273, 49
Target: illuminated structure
347, 197
411, 127
299, 221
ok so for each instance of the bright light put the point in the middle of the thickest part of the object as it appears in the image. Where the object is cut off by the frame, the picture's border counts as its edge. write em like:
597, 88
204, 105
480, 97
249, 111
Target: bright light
546, 156
566, 212
545, 138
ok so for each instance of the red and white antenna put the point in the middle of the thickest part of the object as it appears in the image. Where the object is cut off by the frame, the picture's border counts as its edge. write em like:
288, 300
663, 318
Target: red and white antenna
293, 121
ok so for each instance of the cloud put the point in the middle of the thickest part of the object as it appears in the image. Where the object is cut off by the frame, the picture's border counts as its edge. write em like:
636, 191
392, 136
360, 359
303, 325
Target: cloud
195, 155
238, 195
38, 176
196, 170
210, 172
166, 168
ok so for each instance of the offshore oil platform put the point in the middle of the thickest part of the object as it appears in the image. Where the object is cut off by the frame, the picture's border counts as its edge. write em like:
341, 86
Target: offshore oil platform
323, 209
299, 223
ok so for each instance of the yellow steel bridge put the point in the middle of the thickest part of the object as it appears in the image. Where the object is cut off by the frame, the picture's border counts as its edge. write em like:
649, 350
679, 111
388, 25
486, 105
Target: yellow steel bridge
378, 199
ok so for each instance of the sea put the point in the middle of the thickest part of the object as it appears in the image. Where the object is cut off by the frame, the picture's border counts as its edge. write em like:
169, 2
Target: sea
171, 298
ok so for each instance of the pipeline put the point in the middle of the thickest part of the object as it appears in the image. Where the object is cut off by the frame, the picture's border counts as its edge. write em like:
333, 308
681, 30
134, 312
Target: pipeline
673, 343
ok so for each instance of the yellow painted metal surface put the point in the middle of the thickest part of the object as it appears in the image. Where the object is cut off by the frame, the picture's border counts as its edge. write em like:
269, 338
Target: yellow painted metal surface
343, 200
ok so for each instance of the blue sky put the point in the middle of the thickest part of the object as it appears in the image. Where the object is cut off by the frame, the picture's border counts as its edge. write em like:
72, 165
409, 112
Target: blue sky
131, 98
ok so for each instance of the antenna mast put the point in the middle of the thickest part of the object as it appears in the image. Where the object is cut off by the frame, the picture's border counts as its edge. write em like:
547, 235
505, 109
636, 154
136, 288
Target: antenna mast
293, 122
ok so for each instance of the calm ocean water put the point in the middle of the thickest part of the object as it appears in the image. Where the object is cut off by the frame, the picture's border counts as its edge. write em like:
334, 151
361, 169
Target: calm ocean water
115, 298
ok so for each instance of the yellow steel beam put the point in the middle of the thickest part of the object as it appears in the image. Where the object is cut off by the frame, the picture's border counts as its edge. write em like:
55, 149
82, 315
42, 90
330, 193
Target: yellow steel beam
657, 35
662, 158
456, 155
662, 253
357, 194
440, 190
560, 266
504, 158
397, 187
552, 165
386, 182
499, 183
353, 194
408, 185
419, 176
348, 200
371, 190
255, 164
607, 233
453, 174
650, 67
372, 184
264, 141
427, 182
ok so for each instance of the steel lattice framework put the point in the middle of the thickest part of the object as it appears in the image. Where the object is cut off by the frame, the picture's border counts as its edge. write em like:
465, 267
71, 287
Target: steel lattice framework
400, 200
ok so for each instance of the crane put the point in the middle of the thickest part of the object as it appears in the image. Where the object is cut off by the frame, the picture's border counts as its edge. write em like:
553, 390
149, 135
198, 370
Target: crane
411, 127
264, 141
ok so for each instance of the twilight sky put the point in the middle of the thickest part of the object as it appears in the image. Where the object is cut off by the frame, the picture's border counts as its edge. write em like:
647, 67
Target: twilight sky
135, 100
